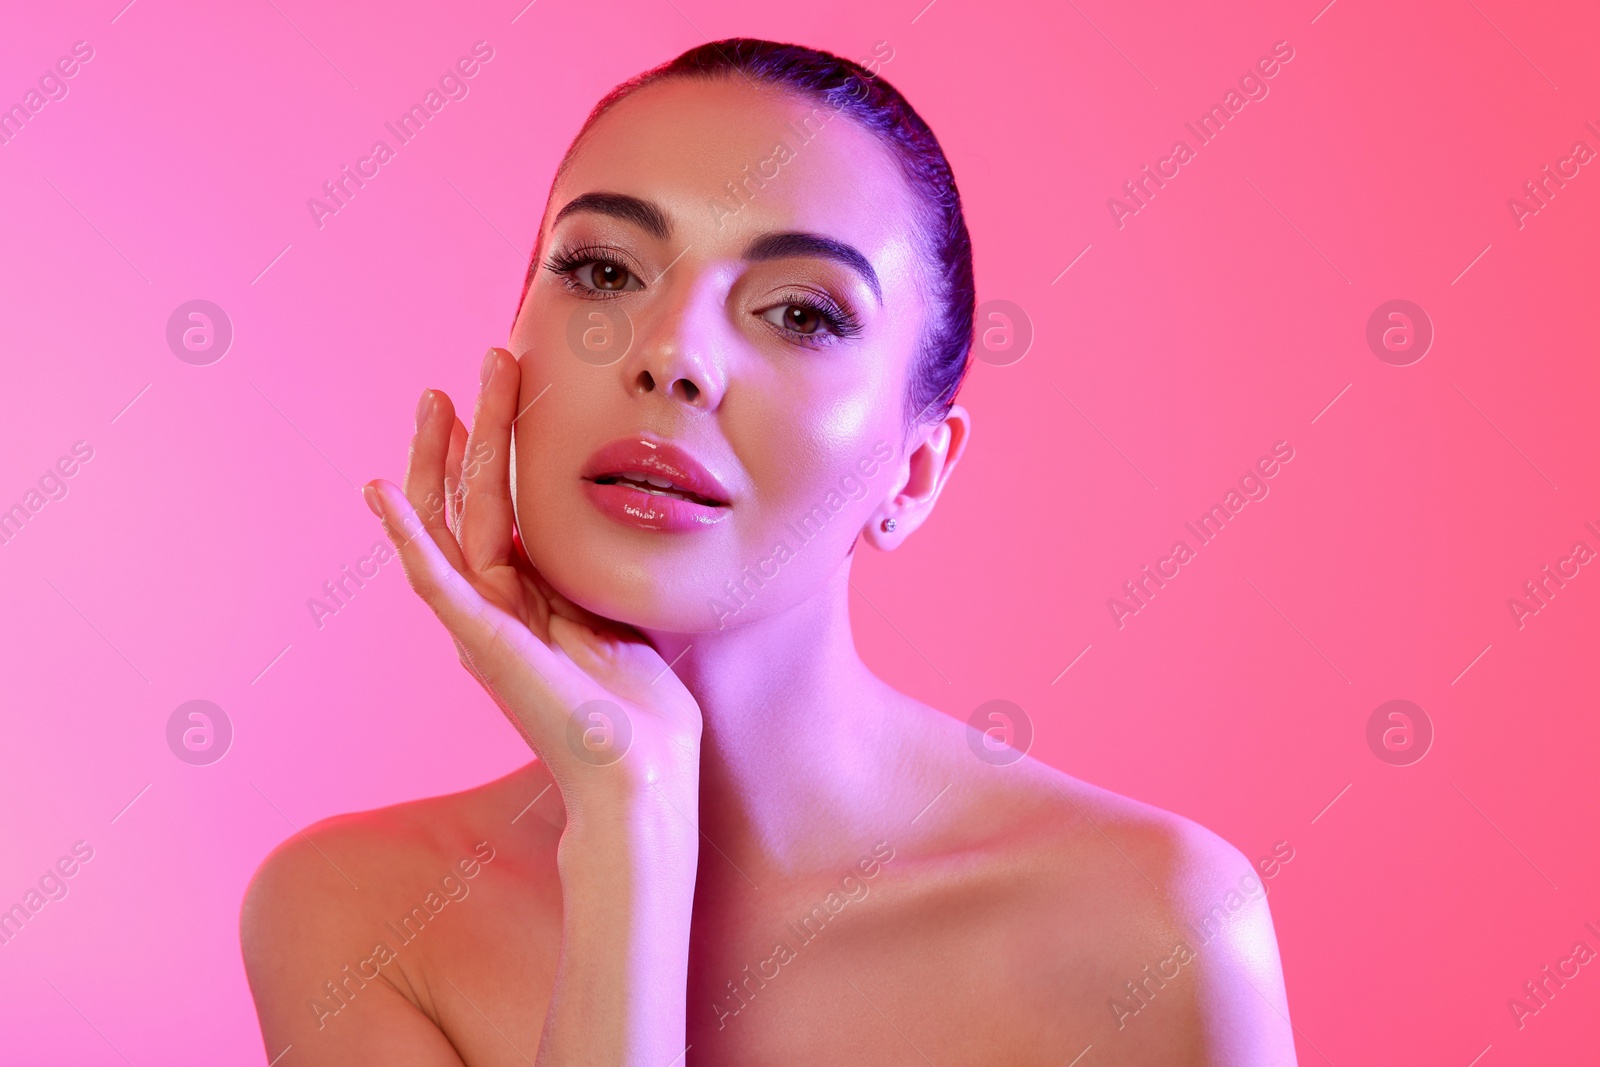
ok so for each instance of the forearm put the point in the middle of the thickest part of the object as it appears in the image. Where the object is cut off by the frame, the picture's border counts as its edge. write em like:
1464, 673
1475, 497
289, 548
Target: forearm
627, 889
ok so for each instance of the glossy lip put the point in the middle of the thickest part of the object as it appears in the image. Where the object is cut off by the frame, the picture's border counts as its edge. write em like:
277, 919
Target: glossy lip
645, 455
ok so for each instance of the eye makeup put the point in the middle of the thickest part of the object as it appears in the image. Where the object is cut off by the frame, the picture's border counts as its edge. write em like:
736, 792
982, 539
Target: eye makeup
807, 316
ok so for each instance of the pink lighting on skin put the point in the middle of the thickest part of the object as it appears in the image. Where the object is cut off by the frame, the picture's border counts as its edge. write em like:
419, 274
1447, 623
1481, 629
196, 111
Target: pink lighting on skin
219, 500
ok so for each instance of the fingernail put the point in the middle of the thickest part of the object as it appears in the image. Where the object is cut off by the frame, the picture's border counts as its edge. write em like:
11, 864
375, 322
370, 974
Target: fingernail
424, 406
487, 370
370, 495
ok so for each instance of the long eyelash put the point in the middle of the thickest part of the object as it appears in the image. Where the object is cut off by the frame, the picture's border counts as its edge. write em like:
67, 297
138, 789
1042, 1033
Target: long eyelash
839, 320
563, 262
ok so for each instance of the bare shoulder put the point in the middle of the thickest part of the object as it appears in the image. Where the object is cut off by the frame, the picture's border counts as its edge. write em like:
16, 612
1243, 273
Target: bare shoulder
1132, 922
1191, 973
350, 863
1017, 802
343, 922
1166, 857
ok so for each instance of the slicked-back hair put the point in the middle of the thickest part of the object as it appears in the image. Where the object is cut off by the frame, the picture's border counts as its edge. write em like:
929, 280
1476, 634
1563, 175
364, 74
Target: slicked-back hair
942, 361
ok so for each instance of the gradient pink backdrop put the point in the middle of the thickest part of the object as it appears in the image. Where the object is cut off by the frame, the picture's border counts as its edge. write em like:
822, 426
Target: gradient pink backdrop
1225, 316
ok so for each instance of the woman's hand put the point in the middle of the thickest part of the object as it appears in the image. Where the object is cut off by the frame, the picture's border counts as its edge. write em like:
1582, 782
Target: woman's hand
618, 731
596, 703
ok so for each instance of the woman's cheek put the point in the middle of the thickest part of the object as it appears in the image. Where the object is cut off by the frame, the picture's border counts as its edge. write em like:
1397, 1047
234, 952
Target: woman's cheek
826, 489
838, 427
831, 448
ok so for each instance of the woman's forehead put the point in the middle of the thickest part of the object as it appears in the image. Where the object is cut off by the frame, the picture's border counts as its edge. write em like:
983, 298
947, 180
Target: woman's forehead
724, 159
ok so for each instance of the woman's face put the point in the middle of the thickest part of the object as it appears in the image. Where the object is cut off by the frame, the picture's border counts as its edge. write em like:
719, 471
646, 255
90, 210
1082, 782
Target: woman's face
751, 259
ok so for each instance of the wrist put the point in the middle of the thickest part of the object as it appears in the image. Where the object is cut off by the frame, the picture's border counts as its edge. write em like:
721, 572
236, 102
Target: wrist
622, 836
627, 792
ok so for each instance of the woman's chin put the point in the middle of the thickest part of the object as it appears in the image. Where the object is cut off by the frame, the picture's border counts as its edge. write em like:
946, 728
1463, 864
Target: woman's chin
646, 596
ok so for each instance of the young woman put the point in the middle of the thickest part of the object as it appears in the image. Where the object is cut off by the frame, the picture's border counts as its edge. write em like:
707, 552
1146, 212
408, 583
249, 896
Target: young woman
735, 357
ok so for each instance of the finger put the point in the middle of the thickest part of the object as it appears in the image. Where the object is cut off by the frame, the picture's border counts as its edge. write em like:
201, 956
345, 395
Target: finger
486, 515
632, 667
535, 685
514, 664
560, 606
534, 586
425, 470
452, 474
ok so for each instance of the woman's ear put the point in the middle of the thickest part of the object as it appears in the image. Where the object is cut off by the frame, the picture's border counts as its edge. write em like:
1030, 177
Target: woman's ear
925, 469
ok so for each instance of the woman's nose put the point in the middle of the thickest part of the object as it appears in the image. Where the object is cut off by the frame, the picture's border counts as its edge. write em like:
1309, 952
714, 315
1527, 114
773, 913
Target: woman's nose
676, 351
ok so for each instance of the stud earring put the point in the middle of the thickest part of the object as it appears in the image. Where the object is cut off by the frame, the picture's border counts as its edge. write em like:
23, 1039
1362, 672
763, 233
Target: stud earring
889, 525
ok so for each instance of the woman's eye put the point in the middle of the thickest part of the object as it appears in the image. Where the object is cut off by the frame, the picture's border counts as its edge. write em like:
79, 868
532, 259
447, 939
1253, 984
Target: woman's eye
796, 318
606, 277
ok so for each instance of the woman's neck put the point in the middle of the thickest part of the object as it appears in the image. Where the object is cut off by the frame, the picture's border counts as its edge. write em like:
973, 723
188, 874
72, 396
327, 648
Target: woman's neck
797, 731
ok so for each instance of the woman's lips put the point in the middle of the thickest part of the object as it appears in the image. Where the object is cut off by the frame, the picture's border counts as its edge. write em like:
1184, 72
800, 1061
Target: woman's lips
653, 485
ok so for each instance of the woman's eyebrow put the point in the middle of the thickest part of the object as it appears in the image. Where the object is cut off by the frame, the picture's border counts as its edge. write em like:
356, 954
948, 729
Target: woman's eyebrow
642, 213
785, 245
651, 219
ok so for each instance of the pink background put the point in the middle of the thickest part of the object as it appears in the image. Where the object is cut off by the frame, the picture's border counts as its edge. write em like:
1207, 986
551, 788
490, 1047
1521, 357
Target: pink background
1223, 317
